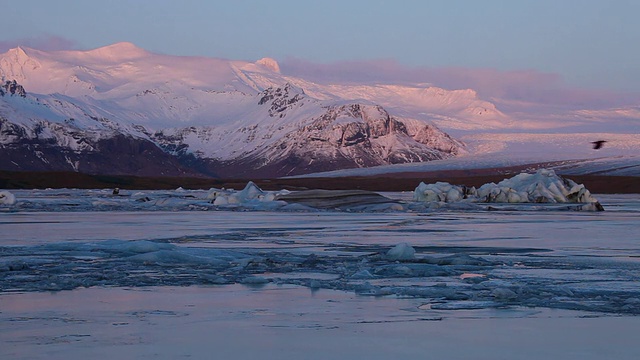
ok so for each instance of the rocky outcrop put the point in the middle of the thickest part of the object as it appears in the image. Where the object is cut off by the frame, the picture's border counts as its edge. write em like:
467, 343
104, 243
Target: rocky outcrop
280, 99
352, 124
12, 88
347, 136
55, 147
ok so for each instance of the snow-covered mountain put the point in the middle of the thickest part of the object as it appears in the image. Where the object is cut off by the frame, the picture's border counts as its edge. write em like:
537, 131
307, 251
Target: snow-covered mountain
120, 109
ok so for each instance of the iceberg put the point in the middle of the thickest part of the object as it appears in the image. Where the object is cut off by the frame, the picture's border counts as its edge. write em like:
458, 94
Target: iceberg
401, 251
544, 186
251, 194
7, 198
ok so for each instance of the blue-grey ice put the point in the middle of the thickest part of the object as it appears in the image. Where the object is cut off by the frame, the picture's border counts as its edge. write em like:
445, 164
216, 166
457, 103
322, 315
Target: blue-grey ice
452, 247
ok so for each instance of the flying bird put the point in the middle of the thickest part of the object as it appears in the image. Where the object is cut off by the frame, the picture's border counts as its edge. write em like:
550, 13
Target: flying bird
598, 144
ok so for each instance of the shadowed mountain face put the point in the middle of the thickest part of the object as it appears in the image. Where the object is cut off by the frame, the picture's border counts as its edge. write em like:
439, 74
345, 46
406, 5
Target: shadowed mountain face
107, 119
118, 154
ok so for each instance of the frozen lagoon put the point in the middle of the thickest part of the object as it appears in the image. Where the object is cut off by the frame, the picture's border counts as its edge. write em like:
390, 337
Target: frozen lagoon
83, 273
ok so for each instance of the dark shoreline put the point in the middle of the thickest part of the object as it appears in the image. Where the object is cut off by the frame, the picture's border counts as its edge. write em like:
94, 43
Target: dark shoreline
388, 182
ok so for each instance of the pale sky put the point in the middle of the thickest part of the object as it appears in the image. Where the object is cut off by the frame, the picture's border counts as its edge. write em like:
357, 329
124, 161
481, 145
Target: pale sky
590, 44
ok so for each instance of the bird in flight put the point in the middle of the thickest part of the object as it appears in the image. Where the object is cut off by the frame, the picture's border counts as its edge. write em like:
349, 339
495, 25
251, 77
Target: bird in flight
598, 144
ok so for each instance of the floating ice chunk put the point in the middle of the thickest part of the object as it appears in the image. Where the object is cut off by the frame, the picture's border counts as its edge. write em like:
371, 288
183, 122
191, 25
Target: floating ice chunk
365, 288
251, 196
503, 294
254, 280
542, 187
362, 274
297, 208
459, 259
464, 305
592, 206
493, 284
453, 195
170, 201
431, 192
471, 276
167, 257
394, 270
142, 246
7, 198
401, 251
250, 192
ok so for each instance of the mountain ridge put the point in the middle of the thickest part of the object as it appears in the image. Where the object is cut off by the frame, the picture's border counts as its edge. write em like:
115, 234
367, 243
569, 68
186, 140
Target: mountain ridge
218, 117
96, 103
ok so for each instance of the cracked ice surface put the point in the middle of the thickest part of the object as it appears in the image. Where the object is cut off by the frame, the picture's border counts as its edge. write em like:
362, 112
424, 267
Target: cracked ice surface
450, 259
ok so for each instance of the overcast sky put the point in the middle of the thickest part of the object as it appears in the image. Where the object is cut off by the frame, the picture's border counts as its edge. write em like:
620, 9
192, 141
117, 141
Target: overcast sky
591, 44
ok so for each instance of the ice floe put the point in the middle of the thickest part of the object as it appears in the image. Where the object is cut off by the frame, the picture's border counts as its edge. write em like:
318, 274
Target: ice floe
402, 251
443, 280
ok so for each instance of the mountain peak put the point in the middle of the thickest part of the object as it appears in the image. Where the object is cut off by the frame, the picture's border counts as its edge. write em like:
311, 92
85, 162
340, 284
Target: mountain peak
119, 51
122, 46
16, 62
281, 98
19, 53
288, 90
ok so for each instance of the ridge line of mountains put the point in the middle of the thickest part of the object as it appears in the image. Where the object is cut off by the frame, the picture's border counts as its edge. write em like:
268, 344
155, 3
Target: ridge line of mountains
122, 110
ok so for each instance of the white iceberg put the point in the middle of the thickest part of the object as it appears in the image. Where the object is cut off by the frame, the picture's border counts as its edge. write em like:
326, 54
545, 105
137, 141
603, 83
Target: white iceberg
401, 251
7, 198
251, 194
542, 187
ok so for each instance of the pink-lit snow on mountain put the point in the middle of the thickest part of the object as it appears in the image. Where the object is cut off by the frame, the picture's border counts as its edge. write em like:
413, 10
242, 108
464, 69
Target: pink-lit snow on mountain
212, 106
